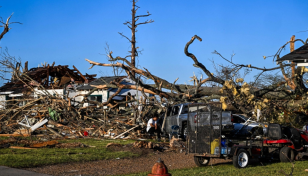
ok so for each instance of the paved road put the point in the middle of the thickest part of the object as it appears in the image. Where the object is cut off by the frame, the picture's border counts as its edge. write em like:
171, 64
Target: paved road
7, 171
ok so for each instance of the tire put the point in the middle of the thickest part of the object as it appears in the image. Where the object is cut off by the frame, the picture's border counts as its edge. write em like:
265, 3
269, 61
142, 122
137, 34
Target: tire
286, 154
241, 159
201, 161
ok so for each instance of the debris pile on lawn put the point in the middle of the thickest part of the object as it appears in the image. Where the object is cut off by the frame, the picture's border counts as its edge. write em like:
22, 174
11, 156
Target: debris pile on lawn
143, 144
32, 144
56, 101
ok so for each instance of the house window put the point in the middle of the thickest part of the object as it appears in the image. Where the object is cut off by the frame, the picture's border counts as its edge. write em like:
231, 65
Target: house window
98, 98
7, 97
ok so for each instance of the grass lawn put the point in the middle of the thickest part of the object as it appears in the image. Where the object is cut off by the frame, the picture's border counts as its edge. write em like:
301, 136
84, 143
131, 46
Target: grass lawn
251, 170
20, 158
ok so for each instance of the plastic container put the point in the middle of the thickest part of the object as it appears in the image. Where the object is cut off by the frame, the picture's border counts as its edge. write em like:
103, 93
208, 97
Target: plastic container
224, 150
223, 143
214, 145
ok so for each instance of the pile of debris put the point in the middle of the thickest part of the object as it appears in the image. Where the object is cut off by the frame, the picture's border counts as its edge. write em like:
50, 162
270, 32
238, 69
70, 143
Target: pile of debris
16, 143
52, 101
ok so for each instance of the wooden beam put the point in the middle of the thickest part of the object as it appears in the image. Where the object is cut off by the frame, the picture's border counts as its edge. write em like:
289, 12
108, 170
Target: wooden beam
26, 67
15, 135
47, 83
17, 147
292, 43
85, 79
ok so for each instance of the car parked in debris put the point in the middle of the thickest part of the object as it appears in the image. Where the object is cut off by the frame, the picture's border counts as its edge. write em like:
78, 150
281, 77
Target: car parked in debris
245, 127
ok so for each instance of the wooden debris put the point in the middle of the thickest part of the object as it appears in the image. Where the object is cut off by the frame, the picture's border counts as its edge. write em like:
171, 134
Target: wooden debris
44, 144
113, 145
23, 131
71, 116
174, 142
54, 132
16, 147
143, 144
125, 132
14, 135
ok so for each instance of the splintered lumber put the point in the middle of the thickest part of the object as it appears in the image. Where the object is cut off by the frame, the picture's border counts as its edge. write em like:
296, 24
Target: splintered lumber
55, 123
143, 144
54, 132
22, 131
16, 147
14, 135
125, 132
44, 144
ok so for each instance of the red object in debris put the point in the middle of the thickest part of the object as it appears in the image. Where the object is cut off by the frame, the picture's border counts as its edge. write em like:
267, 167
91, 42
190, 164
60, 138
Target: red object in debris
85, 133
159, 169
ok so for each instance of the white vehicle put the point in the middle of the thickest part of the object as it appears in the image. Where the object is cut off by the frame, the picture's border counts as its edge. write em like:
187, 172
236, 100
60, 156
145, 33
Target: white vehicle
178, 116
232, 124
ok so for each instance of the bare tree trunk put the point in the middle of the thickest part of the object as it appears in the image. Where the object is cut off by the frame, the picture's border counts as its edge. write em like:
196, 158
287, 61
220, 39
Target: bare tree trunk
133, 39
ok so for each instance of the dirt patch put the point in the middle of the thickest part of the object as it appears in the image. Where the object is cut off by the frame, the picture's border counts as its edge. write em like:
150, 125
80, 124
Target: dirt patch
71, 145
144, 163
130, 148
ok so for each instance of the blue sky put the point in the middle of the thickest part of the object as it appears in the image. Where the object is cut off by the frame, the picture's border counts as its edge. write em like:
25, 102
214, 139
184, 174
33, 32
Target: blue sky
68, 31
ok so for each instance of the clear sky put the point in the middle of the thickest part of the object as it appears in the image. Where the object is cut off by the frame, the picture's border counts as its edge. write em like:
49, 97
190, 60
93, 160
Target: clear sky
68, 31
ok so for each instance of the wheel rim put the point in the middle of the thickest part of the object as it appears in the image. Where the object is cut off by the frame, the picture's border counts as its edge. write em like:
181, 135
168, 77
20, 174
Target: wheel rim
242, 159
203, 160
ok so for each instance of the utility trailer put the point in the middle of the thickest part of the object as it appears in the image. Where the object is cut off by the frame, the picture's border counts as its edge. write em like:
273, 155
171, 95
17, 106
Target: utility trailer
207, 139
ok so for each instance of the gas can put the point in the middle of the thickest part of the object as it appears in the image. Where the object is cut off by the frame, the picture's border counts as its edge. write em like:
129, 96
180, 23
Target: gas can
214, 144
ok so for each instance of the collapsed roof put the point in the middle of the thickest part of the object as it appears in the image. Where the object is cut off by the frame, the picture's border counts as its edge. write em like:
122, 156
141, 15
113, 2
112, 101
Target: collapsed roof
100, 81
56, 77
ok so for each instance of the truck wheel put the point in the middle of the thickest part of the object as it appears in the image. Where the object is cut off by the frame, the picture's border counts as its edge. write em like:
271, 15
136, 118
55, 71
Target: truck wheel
241, 160
286, 154
201, 161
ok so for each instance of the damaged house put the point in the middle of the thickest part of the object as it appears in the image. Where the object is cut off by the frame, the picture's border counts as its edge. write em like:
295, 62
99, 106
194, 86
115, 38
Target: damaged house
63, 82
53, 80
102, 94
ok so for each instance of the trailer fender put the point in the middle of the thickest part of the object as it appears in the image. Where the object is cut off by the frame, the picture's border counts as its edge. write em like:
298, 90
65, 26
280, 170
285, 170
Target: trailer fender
234, 150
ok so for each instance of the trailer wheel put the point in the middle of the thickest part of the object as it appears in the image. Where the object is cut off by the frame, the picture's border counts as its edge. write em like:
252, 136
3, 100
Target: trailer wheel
201, 161
286, 154
241, 160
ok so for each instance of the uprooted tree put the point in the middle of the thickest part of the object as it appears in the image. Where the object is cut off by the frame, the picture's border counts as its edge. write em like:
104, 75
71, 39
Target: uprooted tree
287, 95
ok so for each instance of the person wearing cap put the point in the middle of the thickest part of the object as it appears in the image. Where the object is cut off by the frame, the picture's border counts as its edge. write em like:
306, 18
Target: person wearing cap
154, 127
